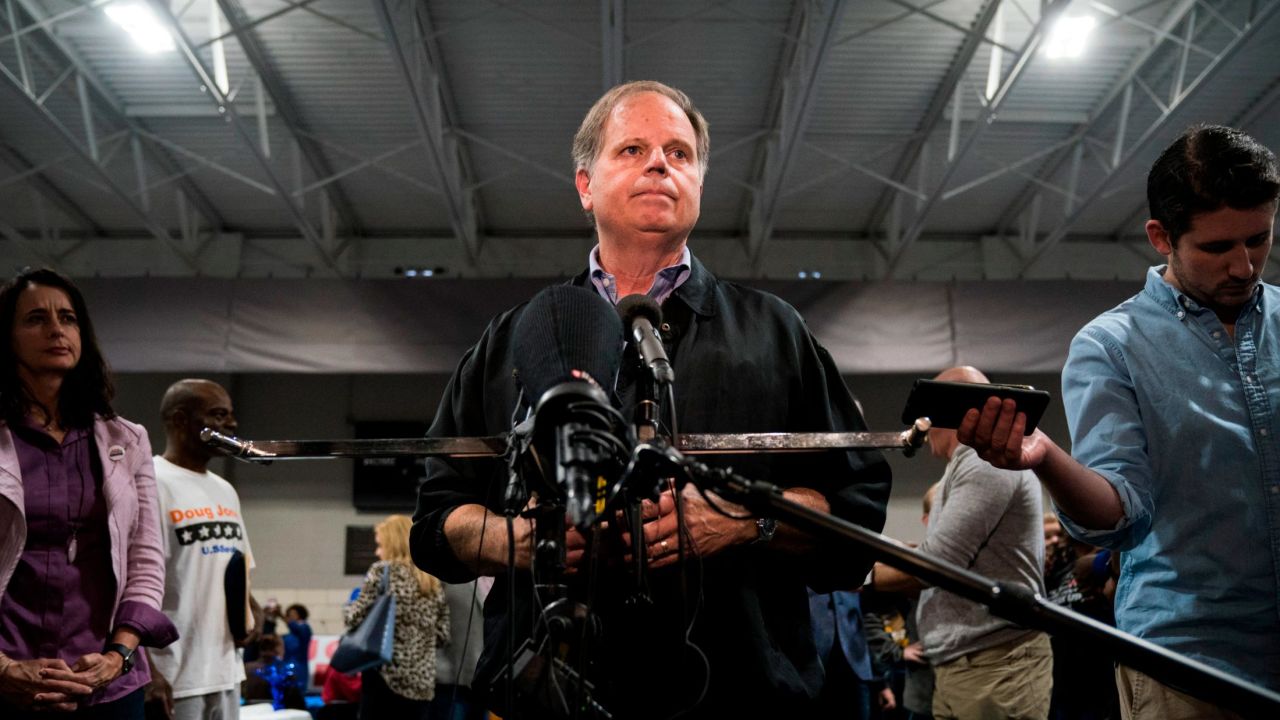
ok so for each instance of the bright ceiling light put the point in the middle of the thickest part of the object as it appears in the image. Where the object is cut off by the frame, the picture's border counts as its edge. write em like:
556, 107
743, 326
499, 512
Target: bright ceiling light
1069, 36
142, 26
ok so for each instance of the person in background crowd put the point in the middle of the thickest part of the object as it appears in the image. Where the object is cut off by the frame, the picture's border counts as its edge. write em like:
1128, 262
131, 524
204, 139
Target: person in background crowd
456, 660
884, 619
1054, 538
270, 652
297, 643
269, 612
202, 528
917, 692
404, 687
988, 521
81, 567
851, 687
1079, 576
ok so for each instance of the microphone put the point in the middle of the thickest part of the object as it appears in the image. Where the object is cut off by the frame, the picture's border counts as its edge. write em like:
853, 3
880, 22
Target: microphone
567, 342
641, 314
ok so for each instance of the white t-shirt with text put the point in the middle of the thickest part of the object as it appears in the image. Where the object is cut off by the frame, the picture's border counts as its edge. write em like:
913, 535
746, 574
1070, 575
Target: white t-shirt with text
201, 527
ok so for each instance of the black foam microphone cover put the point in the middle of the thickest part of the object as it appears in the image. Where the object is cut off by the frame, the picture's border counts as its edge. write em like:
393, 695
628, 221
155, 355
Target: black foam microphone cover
566, 328
637, 305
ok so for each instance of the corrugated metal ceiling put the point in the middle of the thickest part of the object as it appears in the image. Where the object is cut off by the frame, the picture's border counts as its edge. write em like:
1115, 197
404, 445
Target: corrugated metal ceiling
505, 85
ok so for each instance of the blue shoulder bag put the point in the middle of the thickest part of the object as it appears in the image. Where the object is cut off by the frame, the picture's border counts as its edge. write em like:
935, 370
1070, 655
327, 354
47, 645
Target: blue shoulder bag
369, 646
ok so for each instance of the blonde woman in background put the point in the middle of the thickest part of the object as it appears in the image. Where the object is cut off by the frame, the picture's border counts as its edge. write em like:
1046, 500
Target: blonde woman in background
404, 687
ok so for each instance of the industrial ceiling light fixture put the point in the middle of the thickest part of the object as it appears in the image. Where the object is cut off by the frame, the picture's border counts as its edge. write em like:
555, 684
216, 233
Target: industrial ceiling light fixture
142, 26
419, 272
1069, 36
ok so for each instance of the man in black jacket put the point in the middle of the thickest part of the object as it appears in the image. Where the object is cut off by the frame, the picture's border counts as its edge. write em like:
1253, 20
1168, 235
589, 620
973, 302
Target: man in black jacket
734, 636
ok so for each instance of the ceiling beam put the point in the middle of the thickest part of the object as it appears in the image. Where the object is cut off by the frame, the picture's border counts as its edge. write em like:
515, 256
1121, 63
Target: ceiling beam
152, 224
934, 111
430, 99
287, 111
1258, 107
1051, 167
915, 9
1255, 111
1099, 186
261, 19
105, 103
41, 184
248, 138
14, 236
819, 21
1048, 14
612, 43
44, 22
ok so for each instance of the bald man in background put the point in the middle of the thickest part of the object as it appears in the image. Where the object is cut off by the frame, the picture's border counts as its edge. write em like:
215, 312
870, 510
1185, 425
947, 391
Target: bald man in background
989, 521
202, 530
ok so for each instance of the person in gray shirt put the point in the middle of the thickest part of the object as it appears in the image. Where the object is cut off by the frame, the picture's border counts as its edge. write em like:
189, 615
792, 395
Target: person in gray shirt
456, 661
988, 521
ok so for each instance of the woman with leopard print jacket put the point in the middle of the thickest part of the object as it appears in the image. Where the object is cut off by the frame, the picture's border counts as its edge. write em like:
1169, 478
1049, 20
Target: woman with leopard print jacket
404, 687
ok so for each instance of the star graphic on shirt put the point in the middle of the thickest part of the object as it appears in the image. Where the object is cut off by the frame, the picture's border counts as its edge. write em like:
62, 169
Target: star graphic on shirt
233, 531
186, 536
217, 530
204, 531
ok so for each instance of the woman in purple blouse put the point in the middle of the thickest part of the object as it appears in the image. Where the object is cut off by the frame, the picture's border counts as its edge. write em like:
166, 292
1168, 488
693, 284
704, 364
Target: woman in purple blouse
81, 566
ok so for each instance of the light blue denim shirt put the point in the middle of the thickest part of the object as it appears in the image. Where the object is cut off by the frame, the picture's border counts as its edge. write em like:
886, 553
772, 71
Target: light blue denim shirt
1181, 419
664, 283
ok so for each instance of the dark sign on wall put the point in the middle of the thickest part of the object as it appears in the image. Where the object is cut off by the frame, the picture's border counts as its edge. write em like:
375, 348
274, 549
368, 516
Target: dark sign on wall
388, 485
359, 554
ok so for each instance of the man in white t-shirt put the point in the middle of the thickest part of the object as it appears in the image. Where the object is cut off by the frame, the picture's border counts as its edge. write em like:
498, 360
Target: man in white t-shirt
202, 529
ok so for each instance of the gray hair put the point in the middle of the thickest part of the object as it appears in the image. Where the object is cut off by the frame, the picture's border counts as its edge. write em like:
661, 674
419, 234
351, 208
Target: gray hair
588, 140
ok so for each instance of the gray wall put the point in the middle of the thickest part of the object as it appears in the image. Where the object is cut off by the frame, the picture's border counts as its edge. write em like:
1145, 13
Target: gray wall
296, 512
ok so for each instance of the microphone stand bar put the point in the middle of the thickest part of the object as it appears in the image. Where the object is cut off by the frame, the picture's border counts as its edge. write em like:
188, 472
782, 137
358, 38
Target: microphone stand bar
1012, 602
266, 451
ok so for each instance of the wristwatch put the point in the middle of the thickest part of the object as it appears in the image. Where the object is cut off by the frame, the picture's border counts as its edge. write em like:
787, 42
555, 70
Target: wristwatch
124, 651
765, 529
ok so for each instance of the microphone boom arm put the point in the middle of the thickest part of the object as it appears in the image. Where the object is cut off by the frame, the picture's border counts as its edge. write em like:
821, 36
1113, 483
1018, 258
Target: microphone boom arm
1012, 602
266, 451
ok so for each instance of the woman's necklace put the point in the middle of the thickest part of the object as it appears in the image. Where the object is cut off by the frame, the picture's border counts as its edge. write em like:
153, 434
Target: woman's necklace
76, 519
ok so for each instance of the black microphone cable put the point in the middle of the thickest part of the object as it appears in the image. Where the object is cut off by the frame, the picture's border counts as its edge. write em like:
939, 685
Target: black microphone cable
684, 539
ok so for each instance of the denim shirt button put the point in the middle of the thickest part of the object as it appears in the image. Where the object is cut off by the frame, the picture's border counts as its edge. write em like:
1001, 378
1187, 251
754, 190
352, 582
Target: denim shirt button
1181, 314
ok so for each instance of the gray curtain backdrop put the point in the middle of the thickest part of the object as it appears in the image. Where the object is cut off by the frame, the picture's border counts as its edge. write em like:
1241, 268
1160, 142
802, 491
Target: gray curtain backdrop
425, 325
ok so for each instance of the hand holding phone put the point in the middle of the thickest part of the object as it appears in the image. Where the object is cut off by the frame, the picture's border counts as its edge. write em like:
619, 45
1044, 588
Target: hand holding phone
945, 403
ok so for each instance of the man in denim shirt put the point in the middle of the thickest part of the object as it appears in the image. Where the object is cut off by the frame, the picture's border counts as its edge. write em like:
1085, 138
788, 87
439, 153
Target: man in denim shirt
1172, 398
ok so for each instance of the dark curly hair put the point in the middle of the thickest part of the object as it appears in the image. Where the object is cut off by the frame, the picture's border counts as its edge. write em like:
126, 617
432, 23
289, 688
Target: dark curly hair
1207, 168
87, 390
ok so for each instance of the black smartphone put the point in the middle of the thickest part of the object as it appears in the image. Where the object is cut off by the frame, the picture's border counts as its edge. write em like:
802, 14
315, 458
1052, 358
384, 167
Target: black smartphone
945, 403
